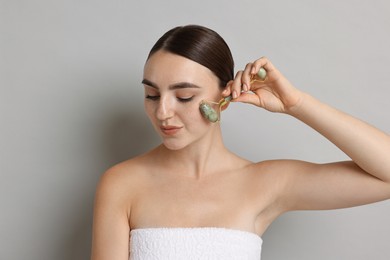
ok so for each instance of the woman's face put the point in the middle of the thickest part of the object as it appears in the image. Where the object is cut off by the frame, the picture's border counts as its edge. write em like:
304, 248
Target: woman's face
174, 88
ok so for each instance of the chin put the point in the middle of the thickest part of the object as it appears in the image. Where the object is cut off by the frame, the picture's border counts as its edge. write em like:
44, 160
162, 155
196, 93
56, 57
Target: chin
174, 145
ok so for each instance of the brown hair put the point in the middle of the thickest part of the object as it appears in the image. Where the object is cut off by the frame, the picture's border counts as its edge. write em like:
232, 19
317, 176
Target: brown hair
202, 45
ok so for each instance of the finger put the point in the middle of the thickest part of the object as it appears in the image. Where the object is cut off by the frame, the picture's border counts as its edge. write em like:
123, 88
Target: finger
237, 85
246, 77
262, 62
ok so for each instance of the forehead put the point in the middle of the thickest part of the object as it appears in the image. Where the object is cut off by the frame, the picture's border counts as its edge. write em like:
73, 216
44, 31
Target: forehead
165, 68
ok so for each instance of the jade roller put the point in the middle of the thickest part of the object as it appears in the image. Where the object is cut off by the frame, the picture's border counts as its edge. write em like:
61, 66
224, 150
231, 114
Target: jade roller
213, 115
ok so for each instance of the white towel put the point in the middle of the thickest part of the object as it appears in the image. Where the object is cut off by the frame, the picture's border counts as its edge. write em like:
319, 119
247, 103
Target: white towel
194, 243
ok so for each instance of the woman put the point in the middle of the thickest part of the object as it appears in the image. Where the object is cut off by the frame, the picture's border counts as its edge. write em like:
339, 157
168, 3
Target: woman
190, 197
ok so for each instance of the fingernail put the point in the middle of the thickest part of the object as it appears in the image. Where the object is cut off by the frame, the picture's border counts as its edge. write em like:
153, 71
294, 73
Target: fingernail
234, 94
245, 87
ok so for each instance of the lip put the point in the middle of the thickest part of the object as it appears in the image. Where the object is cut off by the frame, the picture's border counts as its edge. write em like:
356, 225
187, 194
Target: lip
170, 130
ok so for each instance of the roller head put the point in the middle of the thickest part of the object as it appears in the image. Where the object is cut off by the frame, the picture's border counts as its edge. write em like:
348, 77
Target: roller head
208, 112
262, 73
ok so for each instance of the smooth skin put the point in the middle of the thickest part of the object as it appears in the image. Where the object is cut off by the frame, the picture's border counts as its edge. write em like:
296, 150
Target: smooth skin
182, 182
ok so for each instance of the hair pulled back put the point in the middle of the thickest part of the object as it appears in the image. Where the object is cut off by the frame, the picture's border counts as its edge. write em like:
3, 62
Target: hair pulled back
202, 45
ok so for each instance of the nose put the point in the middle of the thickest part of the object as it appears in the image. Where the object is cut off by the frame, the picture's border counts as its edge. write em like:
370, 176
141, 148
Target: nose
165, 109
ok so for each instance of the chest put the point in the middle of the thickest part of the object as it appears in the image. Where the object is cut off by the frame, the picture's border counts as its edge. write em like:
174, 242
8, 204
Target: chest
218, 202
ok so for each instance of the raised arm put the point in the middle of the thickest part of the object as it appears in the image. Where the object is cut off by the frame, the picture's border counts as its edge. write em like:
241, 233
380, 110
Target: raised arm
321, 186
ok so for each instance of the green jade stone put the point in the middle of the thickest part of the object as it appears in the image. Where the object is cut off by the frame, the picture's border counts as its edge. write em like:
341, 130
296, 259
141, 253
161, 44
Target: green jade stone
208, 112
262, 73
213, 117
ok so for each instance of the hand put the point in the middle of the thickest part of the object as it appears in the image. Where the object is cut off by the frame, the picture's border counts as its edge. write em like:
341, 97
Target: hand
275, 93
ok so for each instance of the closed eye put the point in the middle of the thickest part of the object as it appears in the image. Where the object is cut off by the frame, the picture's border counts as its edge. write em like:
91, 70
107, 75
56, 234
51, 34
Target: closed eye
152, 97
185, 99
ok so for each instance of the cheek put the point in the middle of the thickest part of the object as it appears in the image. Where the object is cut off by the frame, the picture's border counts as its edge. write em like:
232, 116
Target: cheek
190, 112
149, 110
193, 118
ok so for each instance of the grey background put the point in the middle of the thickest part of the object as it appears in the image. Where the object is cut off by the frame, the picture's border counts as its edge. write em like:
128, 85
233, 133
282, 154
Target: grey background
71, 106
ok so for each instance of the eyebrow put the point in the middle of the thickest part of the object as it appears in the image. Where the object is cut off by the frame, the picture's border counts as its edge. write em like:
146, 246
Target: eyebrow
174, 86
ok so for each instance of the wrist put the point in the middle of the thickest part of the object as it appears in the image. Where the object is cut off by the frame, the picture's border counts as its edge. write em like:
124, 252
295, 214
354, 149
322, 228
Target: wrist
298, 107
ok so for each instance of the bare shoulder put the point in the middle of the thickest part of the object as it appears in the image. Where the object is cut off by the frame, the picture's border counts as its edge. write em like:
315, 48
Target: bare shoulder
121, 181
268, 179
271, 178
278, 169
125, 171
279, 175
113, 200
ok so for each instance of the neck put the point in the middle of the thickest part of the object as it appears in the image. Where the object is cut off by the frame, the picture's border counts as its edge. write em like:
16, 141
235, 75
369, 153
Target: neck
199, 159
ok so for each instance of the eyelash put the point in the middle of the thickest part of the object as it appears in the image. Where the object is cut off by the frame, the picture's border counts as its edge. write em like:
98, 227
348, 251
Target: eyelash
183, 100
152, 97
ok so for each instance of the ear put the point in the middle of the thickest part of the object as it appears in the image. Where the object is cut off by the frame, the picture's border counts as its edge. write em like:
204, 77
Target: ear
225, 93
